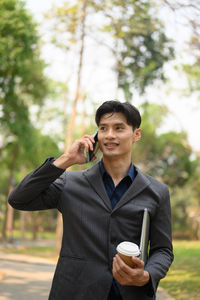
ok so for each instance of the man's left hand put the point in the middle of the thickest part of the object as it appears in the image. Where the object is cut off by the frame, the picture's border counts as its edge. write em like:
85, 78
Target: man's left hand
126, 275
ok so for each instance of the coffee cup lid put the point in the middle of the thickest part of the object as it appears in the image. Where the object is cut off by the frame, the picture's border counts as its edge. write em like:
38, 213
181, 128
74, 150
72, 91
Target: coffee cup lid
128, 249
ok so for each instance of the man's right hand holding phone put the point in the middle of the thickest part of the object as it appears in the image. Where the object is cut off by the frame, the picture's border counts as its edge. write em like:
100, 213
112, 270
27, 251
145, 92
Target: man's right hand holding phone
76, 153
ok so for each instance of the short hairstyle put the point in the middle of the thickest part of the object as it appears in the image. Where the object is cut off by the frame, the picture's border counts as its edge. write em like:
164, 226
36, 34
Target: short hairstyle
131, 113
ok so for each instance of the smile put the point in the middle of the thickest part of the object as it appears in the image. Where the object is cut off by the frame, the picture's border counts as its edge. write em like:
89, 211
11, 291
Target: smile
110, 145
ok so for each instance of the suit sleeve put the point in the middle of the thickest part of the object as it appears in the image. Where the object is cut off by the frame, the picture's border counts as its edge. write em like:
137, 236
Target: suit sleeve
41, 189
161, 251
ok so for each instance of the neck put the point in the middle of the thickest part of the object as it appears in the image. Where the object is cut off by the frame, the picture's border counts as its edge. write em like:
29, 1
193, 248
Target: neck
117, 168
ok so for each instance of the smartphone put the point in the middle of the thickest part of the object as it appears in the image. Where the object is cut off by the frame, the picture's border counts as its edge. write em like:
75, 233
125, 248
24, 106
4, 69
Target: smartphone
90, 154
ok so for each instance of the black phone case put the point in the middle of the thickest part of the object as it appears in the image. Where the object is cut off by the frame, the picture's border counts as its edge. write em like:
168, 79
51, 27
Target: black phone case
90, 154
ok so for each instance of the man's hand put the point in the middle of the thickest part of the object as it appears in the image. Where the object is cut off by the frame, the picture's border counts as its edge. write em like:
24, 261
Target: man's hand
76, 154
126, 275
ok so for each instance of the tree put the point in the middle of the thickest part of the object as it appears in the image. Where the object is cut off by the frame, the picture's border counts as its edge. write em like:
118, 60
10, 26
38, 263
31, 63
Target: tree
22, 82
69, 22
72, 23
140, 46
136, 40
167, 156
187, 14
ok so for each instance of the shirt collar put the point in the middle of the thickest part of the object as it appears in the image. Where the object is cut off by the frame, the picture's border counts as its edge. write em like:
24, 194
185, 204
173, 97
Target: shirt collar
130, 173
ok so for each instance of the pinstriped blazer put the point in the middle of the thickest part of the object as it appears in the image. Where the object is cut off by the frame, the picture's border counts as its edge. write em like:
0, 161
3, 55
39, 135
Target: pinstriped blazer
92, 230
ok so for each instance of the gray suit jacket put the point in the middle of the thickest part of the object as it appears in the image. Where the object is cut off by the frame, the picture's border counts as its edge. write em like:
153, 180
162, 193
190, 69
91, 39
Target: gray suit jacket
92, 230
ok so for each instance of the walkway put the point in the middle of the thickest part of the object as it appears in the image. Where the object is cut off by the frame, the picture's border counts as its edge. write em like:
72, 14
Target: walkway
29, 278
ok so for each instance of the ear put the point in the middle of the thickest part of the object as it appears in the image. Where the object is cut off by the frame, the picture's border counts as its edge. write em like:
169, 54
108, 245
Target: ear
136, 135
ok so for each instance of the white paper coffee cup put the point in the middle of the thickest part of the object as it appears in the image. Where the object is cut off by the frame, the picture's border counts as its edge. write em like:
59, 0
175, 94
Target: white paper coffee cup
126, 250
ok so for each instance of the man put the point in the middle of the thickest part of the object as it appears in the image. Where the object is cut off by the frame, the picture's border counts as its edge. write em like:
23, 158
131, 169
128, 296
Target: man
101, 207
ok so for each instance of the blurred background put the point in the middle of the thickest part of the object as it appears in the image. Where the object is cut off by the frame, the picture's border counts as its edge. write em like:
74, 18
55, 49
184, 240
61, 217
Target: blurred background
59, 60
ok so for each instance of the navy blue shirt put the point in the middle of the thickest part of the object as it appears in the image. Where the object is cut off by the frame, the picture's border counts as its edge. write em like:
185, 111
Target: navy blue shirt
115, 193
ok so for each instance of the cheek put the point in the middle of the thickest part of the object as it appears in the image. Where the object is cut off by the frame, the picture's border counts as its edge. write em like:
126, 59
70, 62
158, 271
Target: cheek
100, 142
129, 140
127, 144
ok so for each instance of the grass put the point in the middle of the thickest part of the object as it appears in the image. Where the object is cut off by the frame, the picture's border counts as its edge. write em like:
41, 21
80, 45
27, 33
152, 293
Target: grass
28, 235
46, 248
183, 279
39, 251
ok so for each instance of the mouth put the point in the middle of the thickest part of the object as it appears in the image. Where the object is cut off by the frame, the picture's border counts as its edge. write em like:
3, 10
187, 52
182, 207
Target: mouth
110, 146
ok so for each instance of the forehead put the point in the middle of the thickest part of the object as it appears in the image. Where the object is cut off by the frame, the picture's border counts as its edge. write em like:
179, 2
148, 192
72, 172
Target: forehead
110, 118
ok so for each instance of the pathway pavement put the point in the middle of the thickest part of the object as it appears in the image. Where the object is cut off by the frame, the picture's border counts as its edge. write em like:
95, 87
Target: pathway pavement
29, 278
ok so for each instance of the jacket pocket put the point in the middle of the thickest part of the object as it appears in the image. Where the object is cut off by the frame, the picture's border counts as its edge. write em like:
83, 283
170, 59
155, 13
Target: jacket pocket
71, 269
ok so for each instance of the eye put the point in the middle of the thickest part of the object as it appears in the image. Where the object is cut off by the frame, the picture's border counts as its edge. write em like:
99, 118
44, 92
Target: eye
119, 127
102, 128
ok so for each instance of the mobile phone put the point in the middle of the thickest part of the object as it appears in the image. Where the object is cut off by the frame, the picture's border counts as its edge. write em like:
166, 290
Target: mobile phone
90, 154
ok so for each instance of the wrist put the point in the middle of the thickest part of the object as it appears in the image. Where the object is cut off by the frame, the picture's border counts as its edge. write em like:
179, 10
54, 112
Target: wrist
63, 162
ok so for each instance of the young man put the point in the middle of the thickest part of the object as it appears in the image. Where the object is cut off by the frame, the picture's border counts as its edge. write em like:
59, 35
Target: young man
101, 207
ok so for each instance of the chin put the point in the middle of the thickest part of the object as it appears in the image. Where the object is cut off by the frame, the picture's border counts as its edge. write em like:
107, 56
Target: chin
110, 154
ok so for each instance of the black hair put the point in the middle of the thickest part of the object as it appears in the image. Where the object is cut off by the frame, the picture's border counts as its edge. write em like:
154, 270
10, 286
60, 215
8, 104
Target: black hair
131, 113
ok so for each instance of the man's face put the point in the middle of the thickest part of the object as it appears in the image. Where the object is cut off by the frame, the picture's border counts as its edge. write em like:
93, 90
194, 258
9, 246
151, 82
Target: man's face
116, 136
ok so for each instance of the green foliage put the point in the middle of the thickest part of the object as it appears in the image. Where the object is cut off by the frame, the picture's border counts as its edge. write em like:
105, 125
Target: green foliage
21, 69
182, 281
180, 202
141, 46
169, 158
140, 49
175, 159
38, 251
66, 22
192, 70
188, 12
136, 37
193, 74
22, 82
166, 156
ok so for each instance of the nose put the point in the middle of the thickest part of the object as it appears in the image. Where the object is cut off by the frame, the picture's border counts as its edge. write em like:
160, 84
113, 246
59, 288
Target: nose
110, 134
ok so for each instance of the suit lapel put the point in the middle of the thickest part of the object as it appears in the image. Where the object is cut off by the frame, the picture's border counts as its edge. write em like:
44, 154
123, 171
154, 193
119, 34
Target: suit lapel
93, 175
139, 184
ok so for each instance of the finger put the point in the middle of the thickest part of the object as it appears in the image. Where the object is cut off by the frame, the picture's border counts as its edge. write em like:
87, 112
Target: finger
137, 262
116, 272
122, 264
90, 137
90, 141
122, 268
84, 144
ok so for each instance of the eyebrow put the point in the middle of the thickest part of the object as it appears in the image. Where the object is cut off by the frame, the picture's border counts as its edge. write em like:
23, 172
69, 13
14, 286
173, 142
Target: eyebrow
115, 124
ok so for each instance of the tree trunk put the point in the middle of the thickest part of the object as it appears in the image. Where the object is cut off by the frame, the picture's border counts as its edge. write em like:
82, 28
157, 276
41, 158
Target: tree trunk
70, 131
83, 116
10, 217
23, 214
115, 52
9, 212
34, 224
22, 224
